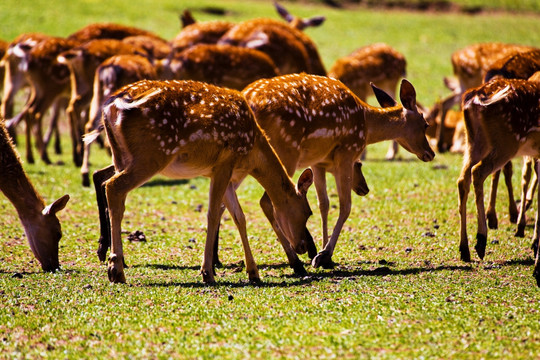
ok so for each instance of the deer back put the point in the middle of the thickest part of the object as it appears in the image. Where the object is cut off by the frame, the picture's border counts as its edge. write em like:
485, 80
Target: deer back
518, 66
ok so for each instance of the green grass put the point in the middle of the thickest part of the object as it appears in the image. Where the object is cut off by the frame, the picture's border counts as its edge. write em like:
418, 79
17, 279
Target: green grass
399, 290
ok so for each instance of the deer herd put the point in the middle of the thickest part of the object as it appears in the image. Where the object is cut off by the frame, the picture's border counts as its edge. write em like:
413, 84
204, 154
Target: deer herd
227, 100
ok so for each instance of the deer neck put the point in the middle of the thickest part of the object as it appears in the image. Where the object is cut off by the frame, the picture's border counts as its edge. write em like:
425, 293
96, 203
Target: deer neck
383, 123
268, 170
16, 187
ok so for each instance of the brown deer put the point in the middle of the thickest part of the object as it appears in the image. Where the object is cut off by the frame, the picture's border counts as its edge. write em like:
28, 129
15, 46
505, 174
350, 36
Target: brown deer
502, 122
49, 86
40, 223
112, 74
318, 122
223, 65
82, 62
291, 50
184, 129
14, 65
376, 63
96, 31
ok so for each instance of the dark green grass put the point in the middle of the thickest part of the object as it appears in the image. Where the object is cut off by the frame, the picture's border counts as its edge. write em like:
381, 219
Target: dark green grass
398, 291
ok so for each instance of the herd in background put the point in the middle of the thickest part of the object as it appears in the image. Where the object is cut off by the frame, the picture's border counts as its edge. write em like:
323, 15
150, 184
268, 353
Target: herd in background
195, 106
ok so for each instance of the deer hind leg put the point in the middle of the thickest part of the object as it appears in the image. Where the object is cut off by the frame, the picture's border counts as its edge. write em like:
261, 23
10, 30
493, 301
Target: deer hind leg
294, 261
491, 212
232, 204
343, 176
525, 181
512, 207
536, 238
100, 176
392, 150
479, 173
464, 186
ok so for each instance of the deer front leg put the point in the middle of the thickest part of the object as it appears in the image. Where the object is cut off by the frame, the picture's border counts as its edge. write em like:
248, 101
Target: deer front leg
525, 181
319, 179
218, 186
536, 237
343, 177
232, 204
478, 178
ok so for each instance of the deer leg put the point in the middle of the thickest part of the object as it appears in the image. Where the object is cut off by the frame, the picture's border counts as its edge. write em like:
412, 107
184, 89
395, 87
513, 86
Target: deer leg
525, 181
392, 150
218, 186
446, 105
512, 207
319, 179
100, 177
464, 185
491, 212
343, 176
536, 237
232, 204
294, 261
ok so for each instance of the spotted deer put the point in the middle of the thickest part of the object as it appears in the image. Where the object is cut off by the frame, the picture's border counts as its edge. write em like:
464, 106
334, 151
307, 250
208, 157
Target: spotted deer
184, 129
82, 62
290, 48
112, 74
376, 63
40, 223
318, 122
502, 119
223, 65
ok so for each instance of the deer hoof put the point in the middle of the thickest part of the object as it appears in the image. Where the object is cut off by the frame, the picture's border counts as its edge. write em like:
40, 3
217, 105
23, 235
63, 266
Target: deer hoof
208, 277
465, 253
536, 275
480, 247
298, 268
85, 180
102, 251
520, 232
116, 269
534, 247
323, 259
493, 222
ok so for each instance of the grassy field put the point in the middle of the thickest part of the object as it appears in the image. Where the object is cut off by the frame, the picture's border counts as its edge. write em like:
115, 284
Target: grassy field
398, 291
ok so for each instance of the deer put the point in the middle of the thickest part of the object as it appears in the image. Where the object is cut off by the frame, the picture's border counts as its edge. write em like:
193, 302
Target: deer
318, 122
82, 62
470, 67
184, 129
111, 75
377, 63
223, 65
40, 223
49, 86
502, 122
290, 48
96, 31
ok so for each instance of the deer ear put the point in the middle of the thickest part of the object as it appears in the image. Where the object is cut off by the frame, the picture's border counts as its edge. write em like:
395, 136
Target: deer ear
305, 181
257, 40
283, 12
313, 21
187, 18
56, 206
383, 98
407, 94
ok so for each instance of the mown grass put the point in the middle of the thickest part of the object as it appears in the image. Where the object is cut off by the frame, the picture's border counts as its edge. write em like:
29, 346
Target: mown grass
399, 290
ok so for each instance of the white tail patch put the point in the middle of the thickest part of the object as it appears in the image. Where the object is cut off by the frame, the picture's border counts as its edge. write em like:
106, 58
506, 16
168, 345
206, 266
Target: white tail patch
498, 96
122, 103
91, 136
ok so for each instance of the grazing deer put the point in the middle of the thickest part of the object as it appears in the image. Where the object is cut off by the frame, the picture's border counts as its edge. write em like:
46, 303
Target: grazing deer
49, 86
223, 65
184, 129
318, 122
291, 50
108, 31
522, 65
112, 74
40, 223
82, 62
379, 64
502, 122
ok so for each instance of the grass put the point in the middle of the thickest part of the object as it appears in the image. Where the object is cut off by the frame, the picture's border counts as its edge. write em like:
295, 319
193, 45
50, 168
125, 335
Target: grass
399, 290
